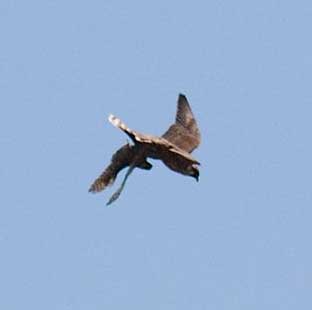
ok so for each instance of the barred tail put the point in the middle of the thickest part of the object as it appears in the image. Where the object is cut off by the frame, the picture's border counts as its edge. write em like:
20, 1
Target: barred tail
107, 178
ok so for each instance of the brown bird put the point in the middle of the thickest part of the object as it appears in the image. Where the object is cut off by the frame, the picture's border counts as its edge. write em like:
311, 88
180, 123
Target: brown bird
173, 148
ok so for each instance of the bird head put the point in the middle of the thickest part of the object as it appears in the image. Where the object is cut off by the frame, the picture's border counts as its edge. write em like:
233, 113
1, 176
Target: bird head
194, 172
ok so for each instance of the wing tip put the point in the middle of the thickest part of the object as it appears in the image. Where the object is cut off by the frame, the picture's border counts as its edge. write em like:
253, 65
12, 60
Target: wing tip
111, 118
115, 121
183, 104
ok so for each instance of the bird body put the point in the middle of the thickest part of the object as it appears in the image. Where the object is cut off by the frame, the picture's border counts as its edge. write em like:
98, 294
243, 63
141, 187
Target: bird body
173, 148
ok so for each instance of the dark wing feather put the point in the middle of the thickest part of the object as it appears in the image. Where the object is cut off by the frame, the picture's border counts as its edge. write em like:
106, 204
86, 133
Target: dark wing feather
184, 133
121, 159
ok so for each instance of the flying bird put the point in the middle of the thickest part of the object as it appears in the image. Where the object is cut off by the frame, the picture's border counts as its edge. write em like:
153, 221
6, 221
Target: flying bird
174, 148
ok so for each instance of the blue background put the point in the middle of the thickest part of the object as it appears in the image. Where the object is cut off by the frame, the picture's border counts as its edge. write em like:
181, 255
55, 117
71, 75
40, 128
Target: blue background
238, 239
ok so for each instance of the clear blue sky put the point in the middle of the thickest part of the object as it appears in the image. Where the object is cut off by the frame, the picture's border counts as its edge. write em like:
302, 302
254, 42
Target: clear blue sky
238, 239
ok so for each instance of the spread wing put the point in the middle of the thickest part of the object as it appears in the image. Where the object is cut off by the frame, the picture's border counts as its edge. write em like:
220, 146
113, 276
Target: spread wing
184, 133
163, 146
121, 159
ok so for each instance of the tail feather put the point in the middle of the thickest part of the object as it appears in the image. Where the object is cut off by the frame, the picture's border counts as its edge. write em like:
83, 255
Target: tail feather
106, 179
121, 159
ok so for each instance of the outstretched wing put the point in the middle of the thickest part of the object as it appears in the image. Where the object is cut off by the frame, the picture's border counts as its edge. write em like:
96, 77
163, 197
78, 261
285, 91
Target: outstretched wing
121, 159
184, 133
164, 146
135, 136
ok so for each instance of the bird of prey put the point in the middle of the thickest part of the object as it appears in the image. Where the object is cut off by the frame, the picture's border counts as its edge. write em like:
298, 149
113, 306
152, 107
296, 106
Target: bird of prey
174, 148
